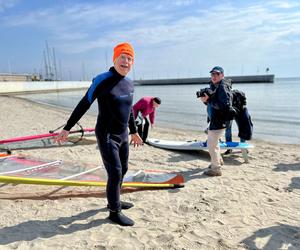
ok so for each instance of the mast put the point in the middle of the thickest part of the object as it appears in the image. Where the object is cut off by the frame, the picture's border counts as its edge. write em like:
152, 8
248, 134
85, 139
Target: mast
54, 64
106, 65
49, 61
60, 70
9, 67
83, 71
46, 66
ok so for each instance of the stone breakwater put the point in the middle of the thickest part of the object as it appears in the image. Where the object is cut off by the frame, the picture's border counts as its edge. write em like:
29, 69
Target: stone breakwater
206, 80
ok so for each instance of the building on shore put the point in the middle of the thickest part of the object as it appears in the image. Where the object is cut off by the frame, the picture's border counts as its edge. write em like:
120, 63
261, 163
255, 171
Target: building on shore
7, 77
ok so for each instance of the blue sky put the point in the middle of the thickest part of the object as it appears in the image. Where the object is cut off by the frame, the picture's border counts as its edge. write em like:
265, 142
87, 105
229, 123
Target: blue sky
172, 38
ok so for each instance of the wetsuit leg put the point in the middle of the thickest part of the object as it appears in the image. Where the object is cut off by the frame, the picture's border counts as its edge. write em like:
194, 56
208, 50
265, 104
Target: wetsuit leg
146, 130
140, 129
124, 153
109, 146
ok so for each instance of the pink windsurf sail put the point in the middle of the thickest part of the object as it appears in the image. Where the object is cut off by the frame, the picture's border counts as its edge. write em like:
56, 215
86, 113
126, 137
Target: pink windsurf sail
41, 136
44, 140
21, 169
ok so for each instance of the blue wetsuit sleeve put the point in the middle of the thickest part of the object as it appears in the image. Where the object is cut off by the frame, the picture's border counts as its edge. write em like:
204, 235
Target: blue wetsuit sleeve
99, 86
131, 124
78, 112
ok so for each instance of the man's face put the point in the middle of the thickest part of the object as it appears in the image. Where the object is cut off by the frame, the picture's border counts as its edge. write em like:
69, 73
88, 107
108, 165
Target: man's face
216, 77
155, 105
123, 64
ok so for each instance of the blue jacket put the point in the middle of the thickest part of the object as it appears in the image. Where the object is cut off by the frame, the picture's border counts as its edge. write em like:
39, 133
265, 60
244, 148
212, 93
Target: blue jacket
220, 104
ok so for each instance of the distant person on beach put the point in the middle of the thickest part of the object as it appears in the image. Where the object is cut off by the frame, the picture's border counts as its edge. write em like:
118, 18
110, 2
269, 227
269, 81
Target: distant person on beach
114, 93
218, 100
144, 107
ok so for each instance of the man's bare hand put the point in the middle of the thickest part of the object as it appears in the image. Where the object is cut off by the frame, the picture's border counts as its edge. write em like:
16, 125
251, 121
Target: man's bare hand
204, 98
136, 140
62, 137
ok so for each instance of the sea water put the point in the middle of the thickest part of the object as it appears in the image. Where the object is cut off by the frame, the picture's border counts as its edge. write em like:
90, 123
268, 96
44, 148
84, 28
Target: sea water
274, 108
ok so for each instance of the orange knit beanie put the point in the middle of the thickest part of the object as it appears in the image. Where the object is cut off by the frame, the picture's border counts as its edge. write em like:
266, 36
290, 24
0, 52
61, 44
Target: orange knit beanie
123, 48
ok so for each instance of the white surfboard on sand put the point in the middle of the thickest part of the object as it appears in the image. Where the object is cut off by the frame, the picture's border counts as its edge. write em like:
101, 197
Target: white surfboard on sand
199, 145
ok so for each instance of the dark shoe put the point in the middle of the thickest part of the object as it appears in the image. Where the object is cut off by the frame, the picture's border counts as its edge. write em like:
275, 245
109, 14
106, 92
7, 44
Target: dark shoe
119, 218
124, 205
228, 152
213, 172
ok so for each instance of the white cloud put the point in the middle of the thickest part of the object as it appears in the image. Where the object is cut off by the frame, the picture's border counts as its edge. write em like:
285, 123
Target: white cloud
6, 4
181, 32
76, 28
283, 4
183, 2
80, 16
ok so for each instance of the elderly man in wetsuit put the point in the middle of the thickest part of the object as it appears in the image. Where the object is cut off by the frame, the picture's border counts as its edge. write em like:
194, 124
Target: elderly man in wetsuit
114, 94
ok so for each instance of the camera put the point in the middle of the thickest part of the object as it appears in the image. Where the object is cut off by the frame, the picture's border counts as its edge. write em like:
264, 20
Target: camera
204, 91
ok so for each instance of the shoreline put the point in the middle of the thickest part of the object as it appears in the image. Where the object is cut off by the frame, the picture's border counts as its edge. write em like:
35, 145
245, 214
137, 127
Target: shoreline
162, 124
249, 206
196, 133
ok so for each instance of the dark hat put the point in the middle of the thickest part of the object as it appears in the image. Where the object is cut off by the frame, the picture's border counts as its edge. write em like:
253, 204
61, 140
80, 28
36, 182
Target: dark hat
217, 69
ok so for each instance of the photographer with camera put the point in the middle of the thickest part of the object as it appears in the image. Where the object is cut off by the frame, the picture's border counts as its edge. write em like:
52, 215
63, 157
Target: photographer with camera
218, 99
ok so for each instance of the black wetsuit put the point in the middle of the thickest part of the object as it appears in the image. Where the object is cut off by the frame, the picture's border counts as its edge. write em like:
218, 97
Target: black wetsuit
114, 94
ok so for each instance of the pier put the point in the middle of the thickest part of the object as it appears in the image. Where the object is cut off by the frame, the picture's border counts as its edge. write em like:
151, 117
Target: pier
206, 80
26, 87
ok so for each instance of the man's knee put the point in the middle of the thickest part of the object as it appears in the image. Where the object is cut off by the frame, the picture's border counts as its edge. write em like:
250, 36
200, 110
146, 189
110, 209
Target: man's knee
115, 175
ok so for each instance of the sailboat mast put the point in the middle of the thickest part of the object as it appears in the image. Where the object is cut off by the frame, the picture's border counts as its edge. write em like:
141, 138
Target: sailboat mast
54, 63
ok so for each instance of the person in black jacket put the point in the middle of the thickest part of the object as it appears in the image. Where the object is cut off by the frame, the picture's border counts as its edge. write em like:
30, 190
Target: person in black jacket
114, 93
219, 109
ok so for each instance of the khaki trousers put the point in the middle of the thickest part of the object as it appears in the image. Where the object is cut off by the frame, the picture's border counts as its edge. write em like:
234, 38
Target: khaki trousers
214, 148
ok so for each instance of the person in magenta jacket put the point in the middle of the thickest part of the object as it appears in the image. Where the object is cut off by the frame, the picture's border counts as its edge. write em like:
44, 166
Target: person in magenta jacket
146, 106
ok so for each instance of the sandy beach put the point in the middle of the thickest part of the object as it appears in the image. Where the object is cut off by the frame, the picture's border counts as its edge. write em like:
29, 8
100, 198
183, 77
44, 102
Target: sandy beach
251, 206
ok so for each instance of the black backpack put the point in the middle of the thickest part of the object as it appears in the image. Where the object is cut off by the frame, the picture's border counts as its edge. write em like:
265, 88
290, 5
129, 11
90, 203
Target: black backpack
244, 123
242, 116
238, 100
